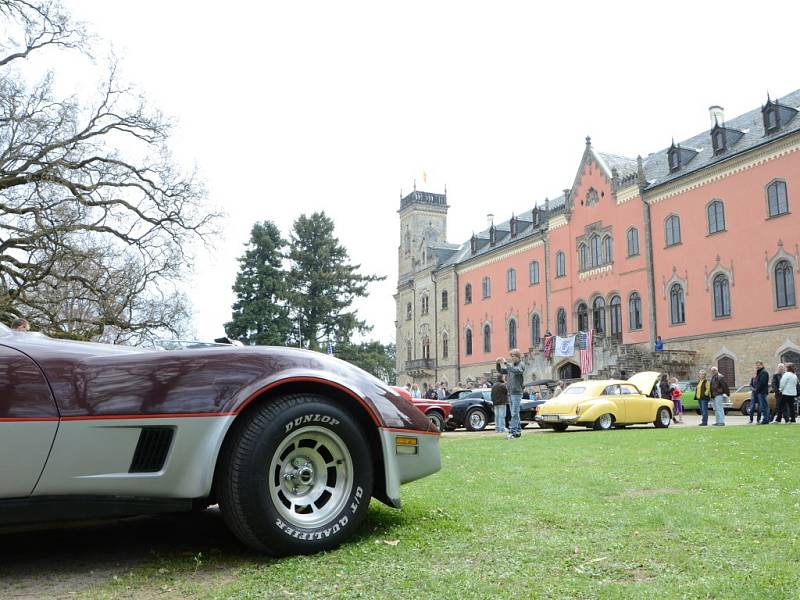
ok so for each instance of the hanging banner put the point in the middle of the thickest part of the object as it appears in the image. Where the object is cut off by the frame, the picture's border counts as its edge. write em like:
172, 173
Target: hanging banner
565, 346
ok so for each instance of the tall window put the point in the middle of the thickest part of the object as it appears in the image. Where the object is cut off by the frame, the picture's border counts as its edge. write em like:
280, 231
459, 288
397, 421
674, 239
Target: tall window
716, 216
672, 227
408, 242
616, 316
784, 284
722, 296
424, 305
487, 338
727, 368
561, 322
583, 317
633, 241
445, 349
408, 351
487, 287
583, 256
635, 310
536, 330
599, 316
533, 269
426, 348
511, 280
468, 342
444, 300
594, 247
512, 333
468, 293
408, 311
777, 198
608, 250
677, 311
561, 266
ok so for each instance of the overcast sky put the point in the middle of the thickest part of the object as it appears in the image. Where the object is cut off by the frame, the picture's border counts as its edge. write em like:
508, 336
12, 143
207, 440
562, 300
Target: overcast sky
291, 107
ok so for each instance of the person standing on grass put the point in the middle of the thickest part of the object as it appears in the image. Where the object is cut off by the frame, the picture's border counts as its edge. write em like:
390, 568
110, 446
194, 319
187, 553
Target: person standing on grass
788, 394
762, 391
719, 391
703, 395
776, 389
755, 409
515, 370
500, 400
675, 392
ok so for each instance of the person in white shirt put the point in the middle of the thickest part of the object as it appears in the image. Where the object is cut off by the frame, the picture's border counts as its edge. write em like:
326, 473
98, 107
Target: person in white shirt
788, 389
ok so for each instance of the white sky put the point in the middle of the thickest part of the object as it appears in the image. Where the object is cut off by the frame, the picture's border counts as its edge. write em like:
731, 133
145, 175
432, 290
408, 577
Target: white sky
291, 107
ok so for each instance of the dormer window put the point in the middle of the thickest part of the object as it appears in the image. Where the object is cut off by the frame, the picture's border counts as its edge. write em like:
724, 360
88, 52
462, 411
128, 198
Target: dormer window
718, 139
771, 120
674, 159
776, 115
535, 215
513, 225
473, 244
492, 235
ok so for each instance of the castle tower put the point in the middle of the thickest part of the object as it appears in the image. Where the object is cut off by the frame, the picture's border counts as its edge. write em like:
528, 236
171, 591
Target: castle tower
423, 220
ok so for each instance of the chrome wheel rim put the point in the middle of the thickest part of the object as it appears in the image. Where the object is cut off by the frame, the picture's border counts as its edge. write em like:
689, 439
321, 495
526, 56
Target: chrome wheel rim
605, 421
436, 420
665, 418
476, 419
310, 477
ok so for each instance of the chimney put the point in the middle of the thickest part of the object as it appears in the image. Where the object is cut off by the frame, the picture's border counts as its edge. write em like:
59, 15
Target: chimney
716, 114
489, 220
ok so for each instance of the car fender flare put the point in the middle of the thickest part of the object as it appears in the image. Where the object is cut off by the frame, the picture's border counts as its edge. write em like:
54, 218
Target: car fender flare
597, 409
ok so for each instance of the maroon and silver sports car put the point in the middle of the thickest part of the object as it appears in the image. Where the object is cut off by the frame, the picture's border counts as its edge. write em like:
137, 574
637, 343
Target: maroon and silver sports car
291, 444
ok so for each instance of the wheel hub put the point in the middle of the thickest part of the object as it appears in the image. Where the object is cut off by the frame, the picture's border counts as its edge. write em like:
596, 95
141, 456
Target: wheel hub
299, 475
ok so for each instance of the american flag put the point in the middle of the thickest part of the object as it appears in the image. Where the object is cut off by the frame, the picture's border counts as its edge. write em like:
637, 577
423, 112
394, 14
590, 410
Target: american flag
585, 345
548, 345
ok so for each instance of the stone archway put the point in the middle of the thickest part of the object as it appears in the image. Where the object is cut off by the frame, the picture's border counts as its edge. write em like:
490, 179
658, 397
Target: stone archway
569, 370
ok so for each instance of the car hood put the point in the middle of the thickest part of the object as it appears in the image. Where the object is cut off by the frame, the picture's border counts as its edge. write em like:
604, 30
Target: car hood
645, 381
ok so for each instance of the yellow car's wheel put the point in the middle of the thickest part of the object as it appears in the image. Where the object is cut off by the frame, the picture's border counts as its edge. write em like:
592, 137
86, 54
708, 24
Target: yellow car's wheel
604, 422
663, 417
560, 426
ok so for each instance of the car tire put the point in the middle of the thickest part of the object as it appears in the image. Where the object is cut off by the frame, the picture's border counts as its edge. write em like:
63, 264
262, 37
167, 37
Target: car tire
618, 426
745, 408
437, 418
604, 422
559, 426
663, 417
295, 476
475, 419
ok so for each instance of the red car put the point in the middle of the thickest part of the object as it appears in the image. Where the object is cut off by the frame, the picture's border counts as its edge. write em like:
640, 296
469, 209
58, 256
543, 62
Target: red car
291, 444
437, 411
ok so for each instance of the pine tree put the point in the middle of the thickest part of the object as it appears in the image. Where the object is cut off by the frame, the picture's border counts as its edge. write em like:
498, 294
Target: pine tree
323, 285
373, 357
260, 313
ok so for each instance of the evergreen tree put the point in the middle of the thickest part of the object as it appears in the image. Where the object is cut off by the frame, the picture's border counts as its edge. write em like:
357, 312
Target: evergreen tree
260, 313
373, 357
323, 285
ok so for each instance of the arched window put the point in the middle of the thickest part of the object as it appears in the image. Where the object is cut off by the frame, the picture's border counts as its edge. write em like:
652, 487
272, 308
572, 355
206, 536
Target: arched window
445, 349
608, 250
561, 322
676, 307
511, 280
512, 333
487, 287
716, 216
536, 330
408, 242
424, 305
583, 256
468, 294
468, 342
784, 284
487, 338
599, 316
672, 230
561, 266
408, 351
583, 317
616, 316
777, 198
722, 296
426, 348
444, 300
533, 269
594, 247
408, 311
790, 356
635, 310
727, 368
633, 241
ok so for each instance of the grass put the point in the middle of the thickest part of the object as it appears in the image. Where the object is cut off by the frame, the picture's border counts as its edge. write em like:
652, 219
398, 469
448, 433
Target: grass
641, 513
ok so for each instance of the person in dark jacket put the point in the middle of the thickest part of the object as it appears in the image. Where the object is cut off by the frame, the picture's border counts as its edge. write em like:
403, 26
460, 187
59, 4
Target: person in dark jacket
515, 370
719, 390
500, 400
776, 388
663, 387
762, 391
755, 409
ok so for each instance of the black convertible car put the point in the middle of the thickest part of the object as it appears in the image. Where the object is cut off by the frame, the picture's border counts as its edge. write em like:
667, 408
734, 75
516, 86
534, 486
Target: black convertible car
475, 411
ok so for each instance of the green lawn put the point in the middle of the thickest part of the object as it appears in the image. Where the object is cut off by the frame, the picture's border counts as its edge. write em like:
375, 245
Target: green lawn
683, 513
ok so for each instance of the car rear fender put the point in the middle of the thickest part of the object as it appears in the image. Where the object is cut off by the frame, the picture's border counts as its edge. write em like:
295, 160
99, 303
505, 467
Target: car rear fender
599, 408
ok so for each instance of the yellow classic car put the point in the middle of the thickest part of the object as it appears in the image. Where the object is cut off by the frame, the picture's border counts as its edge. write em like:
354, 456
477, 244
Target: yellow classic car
607, 404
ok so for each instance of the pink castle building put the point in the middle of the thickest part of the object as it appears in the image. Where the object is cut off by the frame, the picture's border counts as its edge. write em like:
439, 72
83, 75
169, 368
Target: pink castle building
699, 243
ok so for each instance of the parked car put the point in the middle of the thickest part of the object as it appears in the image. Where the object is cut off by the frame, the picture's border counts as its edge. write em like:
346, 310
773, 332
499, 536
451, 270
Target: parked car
437, 411
687, 394
606, 404
742, 400
291, 444
475, 411
458, 394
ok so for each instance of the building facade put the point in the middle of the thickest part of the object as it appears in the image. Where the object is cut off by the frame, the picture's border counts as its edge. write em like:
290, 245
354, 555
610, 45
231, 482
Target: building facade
697, 243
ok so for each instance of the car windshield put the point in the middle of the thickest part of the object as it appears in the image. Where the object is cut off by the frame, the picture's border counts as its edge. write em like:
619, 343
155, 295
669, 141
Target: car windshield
473, 395
575, 389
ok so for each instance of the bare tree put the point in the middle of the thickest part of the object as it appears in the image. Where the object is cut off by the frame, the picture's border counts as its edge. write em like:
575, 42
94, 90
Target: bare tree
95, 218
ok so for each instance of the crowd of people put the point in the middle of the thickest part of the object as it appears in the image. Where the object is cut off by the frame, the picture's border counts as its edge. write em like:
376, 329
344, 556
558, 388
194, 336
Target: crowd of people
784, 386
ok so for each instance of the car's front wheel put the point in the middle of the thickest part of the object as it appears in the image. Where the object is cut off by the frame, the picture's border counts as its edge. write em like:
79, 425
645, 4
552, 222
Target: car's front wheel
476, 419
437, 418
560, 426
745, 408
663, 417
295, 476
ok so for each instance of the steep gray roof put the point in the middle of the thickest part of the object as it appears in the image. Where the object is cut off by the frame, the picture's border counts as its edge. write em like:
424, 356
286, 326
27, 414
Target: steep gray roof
623, 164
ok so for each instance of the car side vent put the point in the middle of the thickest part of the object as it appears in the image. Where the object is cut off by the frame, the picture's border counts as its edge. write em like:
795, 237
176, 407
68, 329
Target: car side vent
151, 451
